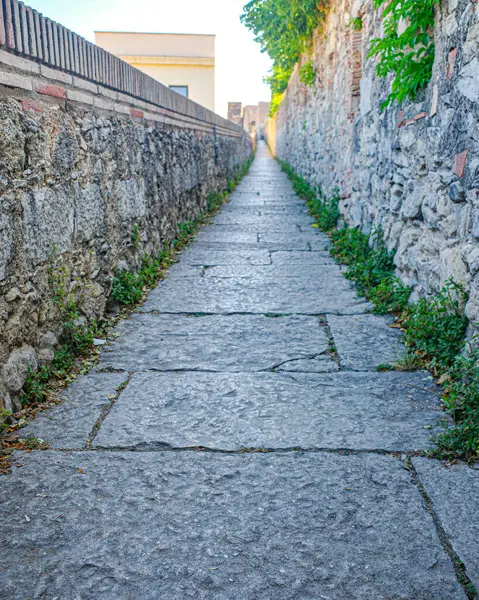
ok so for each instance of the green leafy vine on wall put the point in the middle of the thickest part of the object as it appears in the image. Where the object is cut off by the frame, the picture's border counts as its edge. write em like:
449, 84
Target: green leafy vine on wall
407, 47
307, 73
284, 29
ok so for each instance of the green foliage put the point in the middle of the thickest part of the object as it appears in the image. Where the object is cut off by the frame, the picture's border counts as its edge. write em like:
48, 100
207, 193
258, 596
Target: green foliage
371, 267
214, 201
409, 55
276, 100
307, 73
355, 23
4, 415
76, 335
284, 29
325, 211
135, 236
76, 338
435, 327
461, 400
185, 232
38, 385
126, 288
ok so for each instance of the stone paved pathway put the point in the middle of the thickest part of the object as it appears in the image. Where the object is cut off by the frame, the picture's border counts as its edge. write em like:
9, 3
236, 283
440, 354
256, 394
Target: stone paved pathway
254, 341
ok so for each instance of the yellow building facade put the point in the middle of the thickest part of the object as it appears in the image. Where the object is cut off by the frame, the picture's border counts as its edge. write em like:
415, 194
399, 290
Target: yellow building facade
183, 62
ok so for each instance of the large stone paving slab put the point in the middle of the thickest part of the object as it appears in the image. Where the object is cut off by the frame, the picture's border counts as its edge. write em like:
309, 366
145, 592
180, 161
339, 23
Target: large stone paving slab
300, 242
170, 526
322, 274
205, 256
364, 342
293, 260
234, 227
454, 492
266, 200
69, 424
217, 236
265, 208
228, 295
229, 411
247, 219
283, 239
220, 343
290, 236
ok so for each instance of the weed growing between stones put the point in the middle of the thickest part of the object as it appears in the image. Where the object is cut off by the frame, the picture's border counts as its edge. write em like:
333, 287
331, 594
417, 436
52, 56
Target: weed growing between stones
76, 339
324, 210
129, 288
434, 328
371, 267
307, 73
4, 415
461, 400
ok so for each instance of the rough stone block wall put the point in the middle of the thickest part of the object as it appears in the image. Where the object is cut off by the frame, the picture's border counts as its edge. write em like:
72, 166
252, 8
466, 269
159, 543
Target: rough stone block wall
412, 170
81, 168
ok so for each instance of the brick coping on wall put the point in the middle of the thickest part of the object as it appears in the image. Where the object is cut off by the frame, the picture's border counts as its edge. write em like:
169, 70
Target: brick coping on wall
40, 81
46, 59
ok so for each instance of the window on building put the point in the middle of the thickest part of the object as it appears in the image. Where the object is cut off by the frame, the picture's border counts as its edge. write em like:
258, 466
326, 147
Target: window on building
180, 89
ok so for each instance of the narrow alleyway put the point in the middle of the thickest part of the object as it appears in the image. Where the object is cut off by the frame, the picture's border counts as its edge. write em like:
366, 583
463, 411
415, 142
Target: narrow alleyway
158, 484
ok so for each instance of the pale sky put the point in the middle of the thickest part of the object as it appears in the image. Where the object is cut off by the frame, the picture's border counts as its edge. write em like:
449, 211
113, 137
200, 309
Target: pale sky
240, 66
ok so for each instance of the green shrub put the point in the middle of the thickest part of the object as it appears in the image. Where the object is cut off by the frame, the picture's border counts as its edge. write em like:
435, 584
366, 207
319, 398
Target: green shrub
435, 327
37, 388
307, 73
408, 55
355, 23
461, 400
371, 267
126, 288
135, 236
325, 211
284, 30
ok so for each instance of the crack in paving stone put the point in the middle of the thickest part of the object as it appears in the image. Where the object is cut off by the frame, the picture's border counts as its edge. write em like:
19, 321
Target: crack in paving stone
106, 410
457, 564
332, 344
161, 447
291, 360
237, 313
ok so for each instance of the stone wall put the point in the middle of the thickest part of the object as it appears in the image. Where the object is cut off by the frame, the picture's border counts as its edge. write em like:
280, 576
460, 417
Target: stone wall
83, 167
412, 170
